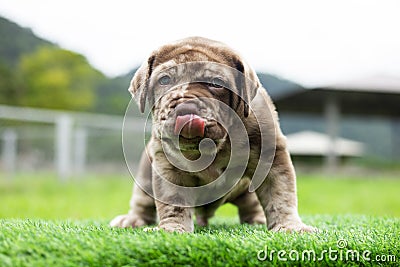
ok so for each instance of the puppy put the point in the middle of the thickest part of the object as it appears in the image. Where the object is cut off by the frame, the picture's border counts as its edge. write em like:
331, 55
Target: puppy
215, 139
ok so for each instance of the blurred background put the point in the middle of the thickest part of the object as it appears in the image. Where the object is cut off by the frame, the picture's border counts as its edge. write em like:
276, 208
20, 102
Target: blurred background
332, 69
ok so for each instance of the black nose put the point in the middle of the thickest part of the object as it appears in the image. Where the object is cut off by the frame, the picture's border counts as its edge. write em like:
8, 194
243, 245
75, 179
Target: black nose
186, 108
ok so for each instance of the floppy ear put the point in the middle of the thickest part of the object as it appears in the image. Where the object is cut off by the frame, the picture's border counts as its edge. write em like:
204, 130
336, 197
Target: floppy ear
247, 83
140, 82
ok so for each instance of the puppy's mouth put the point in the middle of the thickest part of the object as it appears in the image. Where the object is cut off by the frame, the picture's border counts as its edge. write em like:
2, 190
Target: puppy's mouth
190, 126
187, 125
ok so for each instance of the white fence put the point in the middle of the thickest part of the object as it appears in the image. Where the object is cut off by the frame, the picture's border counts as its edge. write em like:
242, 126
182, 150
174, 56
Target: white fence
69, 137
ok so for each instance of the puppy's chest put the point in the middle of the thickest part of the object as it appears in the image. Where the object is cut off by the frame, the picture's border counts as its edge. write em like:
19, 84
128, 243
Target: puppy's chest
213, 171
209, 175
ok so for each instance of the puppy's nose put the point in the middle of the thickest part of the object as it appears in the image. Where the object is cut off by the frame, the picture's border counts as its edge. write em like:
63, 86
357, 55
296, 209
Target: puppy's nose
186, 108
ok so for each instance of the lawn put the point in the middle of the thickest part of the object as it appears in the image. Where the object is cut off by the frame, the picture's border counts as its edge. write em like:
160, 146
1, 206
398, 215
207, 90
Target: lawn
102, 197
48, 223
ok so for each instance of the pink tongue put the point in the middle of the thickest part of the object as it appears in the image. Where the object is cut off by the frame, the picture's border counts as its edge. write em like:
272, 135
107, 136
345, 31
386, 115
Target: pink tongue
189, 126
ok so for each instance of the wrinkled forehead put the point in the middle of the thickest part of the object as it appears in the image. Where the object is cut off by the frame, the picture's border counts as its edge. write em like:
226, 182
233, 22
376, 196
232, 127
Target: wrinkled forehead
195, 71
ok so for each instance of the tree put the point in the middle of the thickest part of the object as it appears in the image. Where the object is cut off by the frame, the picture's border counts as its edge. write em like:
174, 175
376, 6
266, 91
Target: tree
9, 86
114, 96
58, 78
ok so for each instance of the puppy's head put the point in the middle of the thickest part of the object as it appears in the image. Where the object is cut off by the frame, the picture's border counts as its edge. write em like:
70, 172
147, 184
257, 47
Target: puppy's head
192, 86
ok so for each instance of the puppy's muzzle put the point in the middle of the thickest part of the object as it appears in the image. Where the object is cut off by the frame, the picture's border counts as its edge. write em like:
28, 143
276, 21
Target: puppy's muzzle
187, 107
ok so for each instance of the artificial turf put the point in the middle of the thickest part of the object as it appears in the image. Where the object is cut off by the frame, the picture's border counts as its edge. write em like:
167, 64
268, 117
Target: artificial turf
44, 222
224, 243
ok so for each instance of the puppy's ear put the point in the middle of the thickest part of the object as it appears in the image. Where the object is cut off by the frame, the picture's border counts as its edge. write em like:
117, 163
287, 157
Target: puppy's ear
247, 83
140, 82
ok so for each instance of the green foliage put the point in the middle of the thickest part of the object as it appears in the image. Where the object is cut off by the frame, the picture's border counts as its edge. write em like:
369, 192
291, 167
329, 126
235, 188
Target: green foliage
10, 87
113, 96
16, 41
36, 72
57, 78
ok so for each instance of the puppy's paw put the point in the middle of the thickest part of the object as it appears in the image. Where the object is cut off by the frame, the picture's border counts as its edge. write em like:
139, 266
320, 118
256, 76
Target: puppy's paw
127, 220
172, 227
294, 227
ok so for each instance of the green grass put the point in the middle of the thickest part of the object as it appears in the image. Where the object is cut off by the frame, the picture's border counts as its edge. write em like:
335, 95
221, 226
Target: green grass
369, 196
93, 243
44, 197
48, 223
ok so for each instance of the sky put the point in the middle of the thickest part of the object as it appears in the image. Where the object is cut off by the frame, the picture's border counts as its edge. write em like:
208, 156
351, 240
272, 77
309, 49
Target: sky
311, 42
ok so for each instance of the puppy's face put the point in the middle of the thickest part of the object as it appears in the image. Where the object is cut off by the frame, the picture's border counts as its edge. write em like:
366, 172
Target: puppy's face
193, 100
193, 87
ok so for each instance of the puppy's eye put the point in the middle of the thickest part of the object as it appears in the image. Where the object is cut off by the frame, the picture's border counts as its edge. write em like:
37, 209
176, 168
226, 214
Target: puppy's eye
164, 80
217, 83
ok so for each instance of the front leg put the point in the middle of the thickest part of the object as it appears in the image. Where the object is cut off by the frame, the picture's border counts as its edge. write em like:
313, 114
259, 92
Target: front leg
173, 218
278, 197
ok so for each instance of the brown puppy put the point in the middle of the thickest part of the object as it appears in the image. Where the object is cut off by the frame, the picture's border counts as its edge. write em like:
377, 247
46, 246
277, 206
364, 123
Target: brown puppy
191, 86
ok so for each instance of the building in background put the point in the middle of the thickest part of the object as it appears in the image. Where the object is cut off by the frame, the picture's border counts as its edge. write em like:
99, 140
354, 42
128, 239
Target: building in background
308, 147
366, 110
